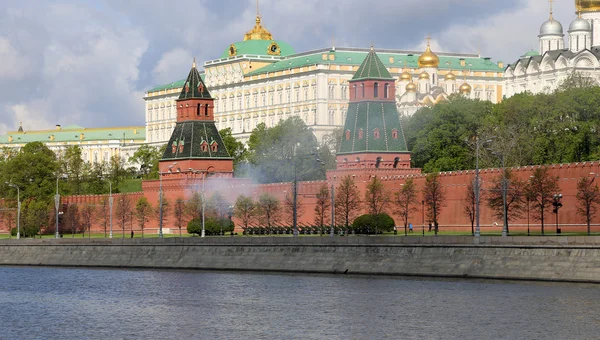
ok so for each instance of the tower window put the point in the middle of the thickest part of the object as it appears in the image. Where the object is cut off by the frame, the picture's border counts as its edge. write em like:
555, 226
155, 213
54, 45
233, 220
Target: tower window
376, 134
198, 109
347, 134
375, 90
396, 161
360, 133
355, 91
362, 86
214, 147
204, 146
386, 90
395, 134
206, 110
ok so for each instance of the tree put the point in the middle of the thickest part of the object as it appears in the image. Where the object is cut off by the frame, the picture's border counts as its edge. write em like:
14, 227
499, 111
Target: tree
35, 216
87, 215
377, 198
507, 184
245, 209
235, 147
276, 153
268, 208
406, 200
146, 156
322, 206
288, 208
123, 210
542, 186
105, 213
193, 207
71, 219
165, 211
470, 204
588, 198
143, 212
217, 205
72, 166
434, 196
116, 172
179, 213
347, 201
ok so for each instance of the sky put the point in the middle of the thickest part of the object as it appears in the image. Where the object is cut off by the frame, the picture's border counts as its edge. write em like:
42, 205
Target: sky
89, 62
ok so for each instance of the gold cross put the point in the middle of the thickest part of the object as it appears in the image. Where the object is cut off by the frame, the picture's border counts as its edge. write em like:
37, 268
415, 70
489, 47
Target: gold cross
428, 38
257, 12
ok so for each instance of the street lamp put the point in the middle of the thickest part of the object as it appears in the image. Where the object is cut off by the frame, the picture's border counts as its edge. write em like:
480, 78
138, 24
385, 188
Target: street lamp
18, 208
423, 213
110, 208
204, 174
557, 205
477, 190
160, 201
57, 205
331, 232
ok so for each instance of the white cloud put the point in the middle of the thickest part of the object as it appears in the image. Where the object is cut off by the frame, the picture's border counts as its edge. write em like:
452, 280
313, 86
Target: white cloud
177, 61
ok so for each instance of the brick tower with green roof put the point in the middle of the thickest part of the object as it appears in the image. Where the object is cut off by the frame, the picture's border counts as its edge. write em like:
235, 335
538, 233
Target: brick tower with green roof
373, 135
195, 145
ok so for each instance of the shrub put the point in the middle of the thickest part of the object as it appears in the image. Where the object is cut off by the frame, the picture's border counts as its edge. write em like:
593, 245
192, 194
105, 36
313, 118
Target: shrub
212, 226
367, 224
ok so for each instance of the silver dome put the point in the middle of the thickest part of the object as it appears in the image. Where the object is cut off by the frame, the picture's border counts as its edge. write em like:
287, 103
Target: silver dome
551, 27
580, 24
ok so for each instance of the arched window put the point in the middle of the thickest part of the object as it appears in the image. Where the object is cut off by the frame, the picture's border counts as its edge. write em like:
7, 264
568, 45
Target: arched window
395, 134
355, 91
198, 109
347, 134
360, 133
396, 160
375, 90
362, 86
206, 110
386, 90
378, 162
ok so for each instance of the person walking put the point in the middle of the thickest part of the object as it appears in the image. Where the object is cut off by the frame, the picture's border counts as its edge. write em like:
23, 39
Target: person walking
410, 229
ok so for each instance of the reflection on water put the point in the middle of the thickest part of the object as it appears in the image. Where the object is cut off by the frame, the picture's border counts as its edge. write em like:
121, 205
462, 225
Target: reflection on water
62, 303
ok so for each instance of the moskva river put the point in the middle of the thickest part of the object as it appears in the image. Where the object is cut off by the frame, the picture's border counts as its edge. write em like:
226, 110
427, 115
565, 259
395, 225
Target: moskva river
63, 303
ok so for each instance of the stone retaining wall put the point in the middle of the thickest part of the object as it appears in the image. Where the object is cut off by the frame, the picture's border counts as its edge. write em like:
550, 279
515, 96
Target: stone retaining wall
575, 259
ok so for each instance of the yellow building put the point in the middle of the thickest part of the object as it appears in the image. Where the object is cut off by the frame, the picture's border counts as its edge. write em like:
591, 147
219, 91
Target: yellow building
263, 80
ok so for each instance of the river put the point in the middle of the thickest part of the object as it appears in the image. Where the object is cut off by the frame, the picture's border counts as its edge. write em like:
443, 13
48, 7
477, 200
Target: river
73, 303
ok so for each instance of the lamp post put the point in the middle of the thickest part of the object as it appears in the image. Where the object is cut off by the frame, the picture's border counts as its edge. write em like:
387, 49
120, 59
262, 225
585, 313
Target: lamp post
18, 208
204, 174
423, 213
477, 190
331, 232
557, 205
56, 204
528, 200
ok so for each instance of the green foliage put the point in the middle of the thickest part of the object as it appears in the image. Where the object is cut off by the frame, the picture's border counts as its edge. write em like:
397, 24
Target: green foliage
545, 128
370, 224
212, 226
236, 149
130, 185
143, 212
146, 157
245, 209
276, 153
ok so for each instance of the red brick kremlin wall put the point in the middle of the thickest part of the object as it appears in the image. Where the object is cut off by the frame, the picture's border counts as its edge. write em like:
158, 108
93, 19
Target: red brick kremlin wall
452, 216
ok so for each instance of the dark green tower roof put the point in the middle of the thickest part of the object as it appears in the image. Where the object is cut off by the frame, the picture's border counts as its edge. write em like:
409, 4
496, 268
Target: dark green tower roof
372, 126
194, 87
195, 140
372, 67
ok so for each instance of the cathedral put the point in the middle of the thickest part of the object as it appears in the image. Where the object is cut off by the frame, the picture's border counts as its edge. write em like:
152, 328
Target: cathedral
544, 70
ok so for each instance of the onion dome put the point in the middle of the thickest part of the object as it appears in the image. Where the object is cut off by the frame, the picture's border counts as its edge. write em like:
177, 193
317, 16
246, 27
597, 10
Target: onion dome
405, 76
424, 75
429, 59
465, 88
587, 5
580, 24
258, 32
450, 76
551, 27
411, 87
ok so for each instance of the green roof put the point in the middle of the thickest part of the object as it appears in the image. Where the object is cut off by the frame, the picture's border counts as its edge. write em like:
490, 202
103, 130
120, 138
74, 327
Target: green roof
174, 85
372, 126
400, 60
187, 140
259, 47
531, 53
194, 87
372, 67
69, 134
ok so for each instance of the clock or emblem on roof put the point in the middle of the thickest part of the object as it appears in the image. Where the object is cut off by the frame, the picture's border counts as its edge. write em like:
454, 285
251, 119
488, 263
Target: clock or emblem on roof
232, 50
273, 49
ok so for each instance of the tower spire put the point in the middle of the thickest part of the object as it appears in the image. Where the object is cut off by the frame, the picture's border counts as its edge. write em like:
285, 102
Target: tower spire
194, 63
551, 11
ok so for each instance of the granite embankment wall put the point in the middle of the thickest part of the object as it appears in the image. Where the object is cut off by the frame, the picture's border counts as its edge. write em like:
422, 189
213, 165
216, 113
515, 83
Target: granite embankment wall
573, 259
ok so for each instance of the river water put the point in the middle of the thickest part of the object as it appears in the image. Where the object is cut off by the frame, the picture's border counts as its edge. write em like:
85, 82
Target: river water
64, 303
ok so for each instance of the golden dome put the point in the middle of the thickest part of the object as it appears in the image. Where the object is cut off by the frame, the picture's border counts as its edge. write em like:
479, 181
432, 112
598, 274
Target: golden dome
405, 76
424, 75
465, 88
258, 32
411, 87
450, 76
429, 59
587, 5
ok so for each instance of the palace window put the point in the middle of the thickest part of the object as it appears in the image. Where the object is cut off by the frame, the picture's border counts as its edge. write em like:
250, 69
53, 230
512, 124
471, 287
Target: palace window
344, 92
255, 100
330, 120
